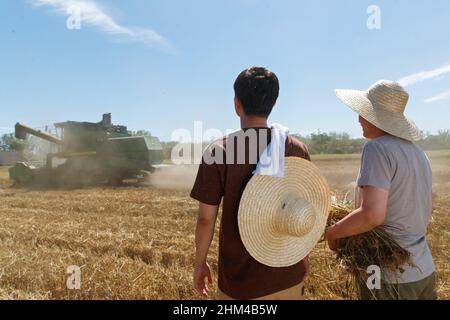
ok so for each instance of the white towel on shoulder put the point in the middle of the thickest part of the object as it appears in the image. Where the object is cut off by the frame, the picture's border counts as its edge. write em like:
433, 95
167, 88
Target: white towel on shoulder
271, 162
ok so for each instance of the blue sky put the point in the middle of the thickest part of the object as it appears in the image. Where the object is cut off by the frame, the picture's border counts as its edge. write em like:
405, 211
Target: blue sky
161, 65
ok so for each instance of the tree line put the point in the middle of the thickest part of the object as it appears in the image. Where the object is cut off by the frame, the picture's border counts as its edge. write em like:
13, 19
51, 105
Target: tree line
8, 142
342, 143
318, 143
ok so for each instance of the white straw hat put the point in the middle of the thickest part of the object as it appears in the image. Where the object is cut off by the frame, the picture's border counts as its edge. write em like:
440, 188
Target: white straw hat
282, 219
383, 105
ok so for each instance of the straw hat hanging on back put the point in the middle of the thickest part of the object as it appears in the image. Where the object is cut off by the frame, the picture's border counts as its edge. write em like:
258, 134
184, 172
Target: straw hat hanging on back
383, 105
282, 219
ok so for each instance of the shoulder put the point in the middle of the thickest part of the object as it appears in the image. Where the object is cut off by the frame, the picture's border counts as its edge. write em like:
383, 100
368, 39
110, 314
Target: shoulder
372, 145
296, 148
296, 143
374, 151
218, 145
386, 144
381, 151
380, 144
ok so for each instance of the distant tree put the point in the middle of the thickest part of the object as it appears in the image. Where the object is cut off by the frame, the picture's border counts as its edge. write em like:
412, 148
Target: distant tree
332, 143
167, 149
342, 143
436, 142
144, 133
9, 143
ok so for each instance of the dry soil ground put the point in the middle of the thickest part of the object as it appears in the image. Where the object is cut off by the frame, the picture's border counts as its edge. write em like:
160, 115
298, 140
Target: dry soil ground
137, 242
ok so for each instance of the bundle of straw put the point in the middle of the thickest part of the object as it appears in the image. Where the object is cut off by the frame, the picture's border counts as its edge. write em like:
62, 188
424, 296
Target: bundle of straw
376, 247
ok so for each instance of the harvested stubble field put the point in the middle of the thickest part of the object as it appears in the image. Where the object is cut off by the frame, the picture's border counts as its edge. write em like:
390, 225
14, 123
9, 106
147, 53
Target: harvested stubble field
137, 242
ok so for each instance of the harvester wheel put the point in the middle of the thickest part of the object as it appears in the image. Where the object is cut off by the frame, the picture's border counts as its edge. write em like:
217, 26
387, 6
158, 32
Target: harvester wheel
145, 177
115, 182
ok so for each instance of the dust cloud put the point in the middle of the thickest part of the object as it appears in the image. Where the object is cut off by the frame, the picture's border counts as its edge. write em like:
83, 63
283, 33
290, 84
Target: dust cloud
179, 177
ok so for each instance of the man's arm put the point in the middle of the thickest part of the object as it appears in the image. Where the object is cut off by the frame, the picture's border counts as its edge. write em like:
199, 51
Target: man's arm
367, 217
204, 234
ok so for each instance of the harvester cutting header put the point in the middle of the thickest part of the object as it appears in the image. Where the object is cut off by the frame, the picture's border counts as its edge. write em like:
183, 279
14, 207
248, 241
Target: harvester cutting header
89, 153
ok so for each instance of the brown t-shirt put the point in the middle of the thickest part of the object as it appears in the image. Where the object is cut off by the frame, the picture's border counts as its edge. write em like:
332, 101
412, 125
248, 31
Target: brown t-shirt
240, 275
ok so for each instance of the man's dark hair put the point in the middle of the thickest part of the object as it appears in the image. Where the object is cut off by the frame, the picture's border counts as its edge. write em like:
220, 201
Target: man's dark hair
257, 89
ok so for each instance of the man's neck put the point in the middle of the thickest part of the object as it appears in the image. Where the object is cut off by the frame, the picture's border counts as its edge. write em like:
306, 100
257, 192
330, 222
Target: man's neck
253, 122
379, 135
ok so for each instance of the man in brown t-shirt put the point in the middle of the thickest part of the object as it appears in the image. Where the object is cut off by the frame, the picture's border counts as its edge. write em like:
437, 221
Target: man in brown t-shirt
227, 166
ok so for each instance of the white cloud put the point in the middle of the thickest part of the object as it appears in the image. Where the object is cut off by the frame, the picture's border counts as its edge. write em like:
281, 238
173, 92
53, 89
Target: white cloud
443, 96
437, 73
93, 15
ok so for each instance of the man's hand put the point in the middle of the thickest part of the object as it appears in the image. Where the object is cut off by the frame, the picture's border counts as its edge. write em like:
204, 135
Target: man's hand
367, 217
332, 241
204, 233
201, 273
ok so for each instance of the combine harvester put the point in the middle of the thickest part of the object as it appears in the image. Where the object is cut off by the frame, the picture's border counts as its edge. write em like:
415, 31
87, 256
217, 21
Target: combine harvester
90, 153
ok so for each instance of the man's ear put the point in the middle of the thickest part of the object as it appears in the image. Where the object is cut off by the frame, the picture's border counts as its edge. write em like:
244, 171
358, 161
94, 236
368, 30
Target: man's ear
238, 107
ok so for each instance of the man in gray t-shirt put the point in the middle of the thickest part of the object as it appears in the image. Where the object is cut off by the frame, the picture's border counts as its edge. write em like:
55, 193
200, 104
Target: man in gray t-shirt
394, 189
401, 168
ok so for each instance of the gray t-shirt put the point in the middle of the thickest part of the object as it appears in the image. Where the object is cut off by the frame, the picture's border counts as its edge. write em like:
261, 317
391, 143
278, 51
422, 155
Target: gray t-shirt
403, 169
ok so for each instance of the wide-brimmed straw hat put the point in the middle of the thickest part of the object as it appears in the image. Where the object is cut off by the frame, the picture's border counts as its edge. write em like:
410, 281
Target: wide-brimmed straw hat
383, 105
282, 219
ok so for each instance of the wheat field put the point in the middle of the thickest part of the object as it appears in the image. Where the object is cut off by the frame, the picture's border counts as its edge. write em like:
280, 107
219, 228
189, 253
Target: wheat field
137, 242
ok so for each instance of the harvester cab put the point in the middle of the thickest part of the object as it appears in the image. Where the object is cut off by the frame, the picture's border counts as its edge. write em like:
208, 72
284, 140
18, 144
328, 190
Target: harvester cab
90, 153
